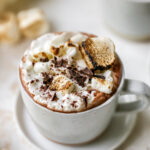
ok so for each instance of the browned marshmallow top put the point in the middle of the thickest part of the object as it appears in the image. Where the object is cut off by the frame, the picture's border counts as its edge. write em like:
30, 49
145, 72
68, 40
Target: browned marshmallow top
69, 72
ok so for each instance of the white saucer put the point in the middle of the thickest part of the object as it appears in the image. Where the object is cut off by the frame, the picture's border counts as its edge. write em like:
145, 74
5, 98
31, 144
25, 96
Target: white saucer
117, 132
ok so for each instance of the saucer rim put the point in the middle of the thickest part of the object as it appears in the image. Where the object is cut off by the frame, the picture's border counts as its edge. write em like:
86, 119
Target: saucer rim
19, 126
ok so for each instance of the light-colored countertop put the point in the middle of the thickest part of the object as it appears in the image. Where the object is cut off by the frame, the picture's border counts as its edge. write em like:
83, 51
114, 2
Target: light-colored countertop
67, 15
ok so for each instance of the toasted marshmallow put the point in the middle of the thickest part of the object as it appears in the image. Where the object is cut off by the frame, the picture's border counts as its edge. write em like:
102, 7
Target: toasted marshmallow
9, 30
58, 44
58, 68
41, 56
58, 51
62, 83
107, 52
98, 52
103, 85
33, 23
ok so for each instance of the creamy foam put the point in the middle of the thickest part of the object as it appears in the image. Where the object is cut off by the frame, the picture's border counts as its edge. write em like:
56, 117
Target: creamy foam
48, 74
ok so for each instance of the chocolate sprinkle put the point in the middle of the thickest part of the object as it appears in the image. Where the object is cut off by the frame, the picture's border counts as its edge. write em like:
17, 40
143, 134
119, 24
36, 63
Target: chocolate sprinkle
47, 80
73, 104
44, 87
85, 100
64, 63
87, 71
54, 97
81, 80
32, 81
33, 63
49, 95
44, 59
71, 44
60, 63
37, 80
76, 75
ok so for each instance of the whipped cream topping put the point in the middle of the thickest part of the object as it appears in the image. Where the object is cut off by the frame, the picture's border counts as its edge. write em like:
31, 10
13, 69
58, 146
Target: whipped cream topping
55, 72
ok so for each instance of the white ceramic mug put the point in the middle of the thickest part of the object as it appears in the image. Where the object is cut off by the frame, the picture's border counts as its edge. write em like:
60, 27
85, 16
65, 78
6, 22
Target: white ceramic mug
82, 127
130, 18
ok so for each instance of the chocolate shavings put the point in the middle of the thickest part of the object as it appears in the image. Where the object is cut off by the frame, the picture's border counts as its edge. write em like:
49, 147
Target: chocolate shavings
47, 80
44, 59
85, 100
77, 76
32, 81
43, 87
87, 72
54, 97
73, 104
71, 44
59, 63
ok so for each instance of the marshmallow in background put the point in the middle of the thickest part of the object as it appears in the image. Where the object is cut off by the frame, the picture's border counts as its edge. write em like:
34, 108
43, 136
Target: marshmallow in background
9, 30
33, 22
5, 3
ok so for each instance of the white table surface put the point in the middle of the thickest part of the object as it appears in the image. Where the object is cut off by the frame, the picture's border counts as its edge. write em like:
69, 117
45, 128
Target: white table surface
83, 15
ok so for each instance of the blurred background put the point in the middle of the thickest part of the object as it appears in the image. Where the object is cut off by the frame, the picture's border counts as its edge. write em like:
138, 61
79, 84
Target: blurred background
126, 22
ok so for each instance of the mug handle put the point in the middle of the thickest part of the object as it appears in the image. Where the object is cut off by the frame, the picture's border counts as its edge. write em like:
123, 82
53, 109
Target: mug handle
134, 97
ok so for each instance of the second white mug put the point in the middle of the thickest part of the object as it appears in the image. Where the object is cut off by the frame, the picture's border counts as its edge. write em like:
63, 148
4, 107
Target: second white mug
130, 18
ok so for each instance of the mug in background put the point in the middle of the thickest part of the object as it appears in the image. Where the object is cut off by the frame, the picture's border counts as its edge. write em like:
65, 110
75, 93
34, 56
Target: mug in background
130, 18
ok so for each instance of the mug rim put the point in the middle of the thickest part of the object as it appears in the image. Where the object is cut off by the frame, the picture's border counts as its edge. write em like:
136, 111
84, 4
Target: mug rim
88, 110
